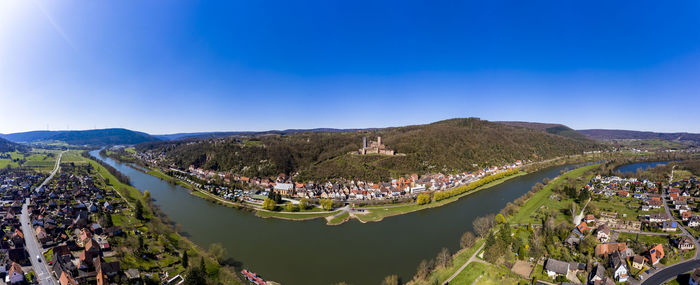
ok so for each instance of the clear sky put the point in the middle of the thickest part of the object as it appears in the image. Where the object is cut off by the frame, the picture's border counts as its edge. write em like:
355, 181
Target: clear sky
182, 66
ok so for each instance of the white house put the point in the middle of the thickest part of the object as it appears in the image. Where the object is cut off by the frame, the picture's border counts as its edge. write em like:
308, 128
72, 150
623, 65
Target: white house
619, 266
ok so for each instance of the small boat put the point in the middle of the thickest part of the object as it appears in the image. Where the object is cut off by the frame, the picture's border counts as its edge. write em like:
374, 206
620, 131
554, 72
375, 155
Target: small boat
252, 277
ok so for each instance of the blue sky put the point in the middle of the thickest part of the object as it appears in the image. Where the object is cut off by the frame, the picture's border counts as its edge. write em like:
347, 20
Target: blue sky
182, 66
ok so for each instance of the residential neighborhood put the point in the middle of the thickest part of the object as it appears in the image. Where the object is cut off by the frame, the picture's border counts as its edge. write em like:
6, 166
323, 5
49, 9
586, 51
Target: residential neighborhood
639, 227
75, 219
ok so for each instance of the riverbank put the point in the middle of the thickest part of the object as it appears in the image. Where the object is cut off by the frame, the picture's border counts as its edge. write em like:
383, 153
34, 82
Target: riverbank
154, 226
376, 214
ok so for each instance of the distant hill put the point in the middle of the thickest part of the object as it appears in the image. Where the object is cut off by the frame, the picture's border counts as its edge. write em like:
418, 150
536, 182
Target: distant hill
87, 137
557, 129
445, 146
599, 134
8, 146
201, 135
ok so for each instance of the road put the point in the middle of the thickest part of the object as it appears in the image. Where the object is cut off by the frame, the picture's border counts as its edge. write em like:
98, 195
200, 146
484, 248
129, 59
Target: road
43, 273
672, 271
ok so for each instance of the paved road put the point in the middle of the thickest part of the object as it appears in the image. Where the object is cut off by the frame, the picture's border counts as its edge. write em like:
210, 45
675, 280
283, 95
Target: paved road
671, 272
32, 245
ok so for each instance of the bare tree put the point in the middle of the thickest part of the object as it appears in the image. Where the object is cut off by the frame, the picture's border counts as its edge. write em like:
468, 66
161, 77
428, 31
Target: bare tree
444, 258
467, 240
424, 269
482, 225
391, 280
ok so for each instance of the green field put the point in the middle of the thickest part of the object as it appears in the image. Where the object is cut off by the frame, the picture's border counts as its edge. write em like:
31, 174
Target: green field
529, 211
627, 206
339, 219
293, 216
479, 273
647, 239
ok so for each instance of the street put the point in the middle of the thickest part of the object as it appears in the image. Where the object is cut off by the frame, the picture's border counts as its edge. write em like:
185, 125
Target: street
41, 268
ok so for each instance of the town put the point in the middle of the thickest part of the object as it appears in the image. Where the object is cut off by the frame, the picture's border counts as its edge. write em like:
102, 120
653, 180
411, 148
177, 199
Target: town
343, 190
74, 227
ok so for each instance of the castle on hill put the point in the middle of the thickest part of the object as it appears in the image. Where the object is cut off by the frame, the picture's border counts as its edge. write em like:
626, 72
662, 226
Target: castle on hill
374, 147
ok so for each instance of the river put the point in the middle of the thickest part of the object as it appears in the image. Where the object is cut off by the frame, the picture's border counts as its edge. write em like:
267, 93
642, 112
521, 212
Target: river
632, 167
310, 252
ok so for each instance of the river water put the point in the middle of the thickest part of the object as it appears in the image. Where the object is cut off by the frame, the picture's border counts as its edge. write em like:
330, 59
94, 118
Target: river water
632, 167
310, 252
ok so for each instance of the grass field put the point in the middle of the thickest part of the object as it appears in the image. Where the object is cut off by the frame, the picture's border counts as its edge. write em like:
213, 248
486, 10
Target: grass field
339, 219
458, 259
479, 273
292, 216
528, 212
627, 208
648, 239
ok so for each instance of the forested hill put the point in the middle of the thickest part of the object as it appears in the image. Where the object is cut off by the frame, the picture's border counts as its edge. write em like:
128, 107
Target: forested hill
88, 137
599, 134
557, 129
8, 146
445, 146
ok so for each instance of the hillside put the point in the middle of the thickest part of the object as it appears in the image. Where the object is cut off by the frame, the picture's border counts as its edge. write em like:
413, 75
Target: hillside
87, 137
204, 135
445, 146
600, 134
557, 129
8, 146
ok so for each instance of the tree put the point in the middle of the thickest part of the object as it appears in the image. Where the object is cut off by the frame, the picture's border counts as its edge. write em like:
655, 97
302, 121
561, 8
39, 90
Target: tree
391, 280
467, 240
139, 210
217, 251
141, 245
185, 259
289, 207
424, 268
444, 258
500, 219
107, 222
303, 204
482, 225
423, 199
269, 204
327, 204
196, 276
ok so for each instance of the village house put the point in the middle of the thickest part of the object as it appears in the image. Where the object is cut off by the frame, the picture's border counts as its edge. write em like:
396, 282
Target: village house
655, 254
603, 233
669, 226
604, 249
619, 266
556, 267
597, 274
590, 218
637, 262
684, 243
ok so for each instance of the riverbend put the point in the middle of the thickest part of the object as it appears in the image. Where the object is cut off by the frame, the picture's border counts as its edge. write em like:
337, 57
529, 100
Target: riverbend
301, 252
